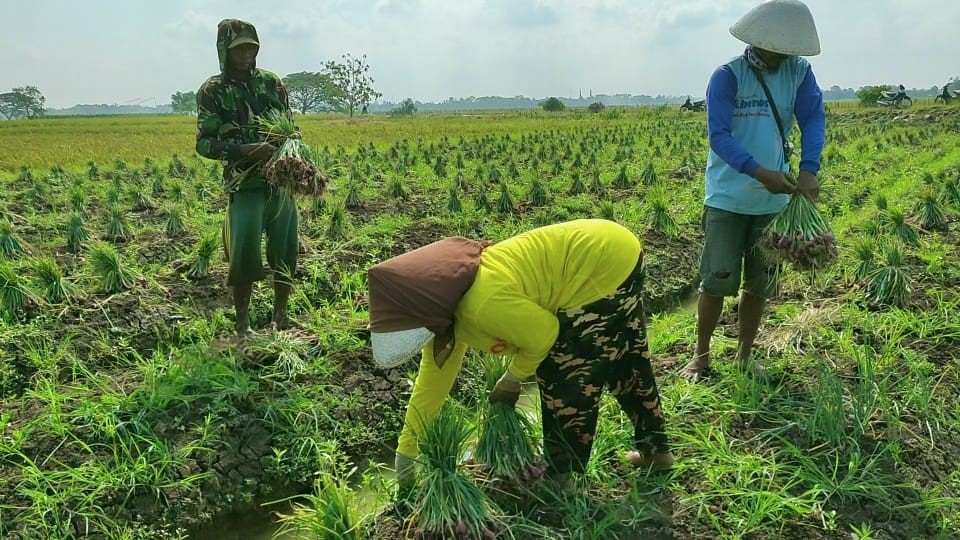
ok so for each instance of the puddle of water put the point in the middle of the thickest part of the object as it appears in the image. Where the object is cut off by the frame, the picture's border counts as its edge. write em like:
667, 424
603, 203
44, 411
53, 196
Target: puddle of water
259, 522
255, 523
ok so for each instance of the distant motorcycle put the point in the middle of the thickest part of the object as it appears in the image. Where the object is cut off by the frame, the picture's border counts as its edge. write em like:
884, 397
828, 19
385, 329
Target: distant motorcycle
895, 99
944, 96
695, 106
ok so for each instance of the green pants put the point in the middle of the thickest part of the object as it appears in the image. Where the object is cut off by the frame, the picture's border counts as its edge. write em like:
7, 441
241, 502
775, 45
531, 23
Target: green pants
250, 214
731, 255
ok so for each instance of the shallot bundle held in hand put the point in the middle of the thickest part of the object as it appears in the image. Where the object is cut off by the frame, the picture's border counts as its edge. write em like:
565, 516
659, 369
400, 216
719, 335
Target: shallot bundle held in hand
294, 167
505, 446
800, 236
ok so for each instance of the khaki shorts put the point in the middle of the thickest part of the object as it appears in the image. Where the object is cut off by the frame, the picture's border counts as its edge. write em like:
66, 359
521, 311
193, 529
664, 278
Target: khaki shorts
250, 214
732, 255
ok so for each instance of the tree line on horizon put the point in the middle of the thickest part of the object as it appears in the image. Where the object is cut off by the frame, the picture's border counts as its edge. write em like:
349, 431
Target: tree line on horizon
346, 87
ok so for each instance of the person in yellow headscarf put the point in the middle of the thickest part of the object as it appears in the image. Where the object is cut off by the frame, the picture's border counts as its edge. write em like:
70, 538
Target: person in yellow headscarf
563, 301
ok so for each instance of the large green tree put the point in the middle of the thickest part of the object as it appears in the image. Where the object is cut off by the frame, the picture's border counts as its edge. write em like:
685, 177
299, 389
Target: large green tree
353, 83
22, 102
184, 102
553, 104
310, 91
406, 108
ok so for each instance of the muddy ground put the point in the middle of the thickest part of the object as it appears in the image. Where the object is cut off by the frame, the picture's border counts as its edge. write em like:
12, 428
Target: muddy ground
105, 329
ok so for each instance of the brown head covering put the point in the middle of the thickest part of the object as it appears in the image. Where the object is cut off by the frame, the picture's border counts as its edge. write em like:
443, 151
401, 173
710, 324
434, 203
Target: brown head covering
421, 289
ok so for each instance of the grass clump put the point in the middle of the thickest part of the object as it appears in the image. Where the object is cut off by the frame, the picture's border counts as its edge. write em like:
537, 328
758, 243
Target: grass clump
538, 192
77, 232
352, 198
480, 200
10, 244
118, 227
337, 224
453, 200
928, 212
659, 215
54, 287
864, 251
173, 225
898, 226
622, 180
109, 268
142, 201
202, 257
331, 512
14, 292
576, 184
649, 175
505, 203
396, 188
889, 284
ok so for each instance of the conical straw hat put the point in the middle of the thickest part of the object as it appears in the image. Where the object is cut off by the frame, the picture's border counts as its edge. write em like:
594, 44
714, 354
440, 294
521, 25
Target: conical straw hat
781, 26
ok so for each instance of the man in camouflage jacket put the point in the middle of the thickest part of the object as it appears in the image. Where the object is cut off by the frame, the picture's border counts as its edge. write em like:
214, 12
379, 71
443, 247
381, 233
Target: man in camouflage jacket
228, 106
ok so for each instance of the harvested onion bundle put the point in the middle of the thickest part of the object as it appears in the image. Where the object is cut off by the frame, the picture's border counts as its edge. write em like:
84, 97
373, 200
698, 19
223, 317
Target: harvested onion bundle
446, 504
800, 236
504, 447
294, 167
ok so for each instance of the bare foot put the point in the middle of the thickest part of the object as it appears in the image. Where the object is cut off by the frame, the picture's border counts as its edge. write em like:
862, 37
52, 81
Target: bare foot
697, 368
283, 323
644, 461
244, 332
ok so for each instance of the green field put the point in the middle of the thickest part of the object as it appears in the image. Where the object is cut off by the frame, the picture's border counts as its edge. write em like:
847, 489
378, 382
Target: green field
127, 411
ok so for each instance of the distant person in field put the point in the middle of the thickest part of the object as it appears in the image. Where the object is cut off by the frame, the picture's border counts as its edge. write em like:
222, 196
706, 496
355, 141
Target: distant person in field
747, 180
228, 105
562, 301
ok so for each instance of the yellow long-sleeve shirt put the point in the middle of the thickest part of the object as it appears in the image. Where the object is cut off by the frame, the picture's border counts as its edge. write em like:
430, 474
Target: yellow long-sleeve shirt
511, 307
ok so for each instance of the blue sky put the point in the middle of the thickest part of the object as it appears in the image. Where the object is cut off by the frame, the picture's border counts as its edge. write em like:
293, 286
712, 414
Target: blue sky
118, 51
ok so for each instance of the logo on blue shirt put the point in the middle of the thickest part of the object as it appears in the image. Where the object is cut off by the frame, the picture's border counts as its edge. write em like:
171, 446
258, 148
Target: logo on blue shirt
752, 104
751, 108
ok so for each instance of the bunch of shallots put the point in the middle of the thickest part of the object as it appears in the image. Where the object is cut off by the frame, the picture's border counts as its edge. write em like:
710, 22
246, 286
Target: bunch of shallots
800, 236
294, 167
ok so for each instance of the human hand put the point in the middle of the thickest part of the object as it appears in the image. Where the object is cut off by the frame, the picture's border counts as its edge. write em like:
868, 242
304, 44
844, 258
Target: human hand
258, 151
775, 181
404, 467
809, 185
507, 390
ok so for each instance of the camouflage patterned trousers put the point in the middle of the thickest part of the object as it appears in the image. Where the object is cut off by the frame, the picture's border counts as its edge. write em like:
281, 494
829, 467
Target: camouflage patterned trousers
600, 346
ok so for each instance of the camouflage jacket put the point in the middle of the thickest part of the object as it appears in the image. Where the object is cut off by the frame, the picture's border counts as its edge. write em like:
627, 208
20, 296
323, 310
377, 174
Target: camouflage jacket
227, 109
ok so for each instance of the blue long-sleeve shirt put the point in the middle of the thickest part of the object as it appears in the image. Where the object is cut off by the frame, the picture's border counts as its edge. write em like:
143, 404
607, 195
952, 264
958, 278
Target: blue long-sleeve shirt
743, 132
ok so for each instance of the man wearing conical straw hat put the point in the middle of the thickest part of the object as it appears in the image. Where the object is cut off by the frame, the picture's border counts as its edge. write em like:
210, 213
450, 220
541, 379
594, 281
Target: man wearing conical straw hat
753, 103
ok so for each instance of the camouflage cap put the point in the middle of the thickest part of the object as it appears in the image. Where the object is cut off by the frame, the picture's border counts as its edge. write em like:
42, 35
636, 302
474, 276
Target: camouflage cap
245, 36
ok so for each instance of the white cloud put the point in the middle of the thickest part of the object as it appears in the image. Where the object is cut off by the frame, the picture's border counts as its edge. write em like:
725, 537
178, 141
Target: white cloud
434, 49
193, 23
